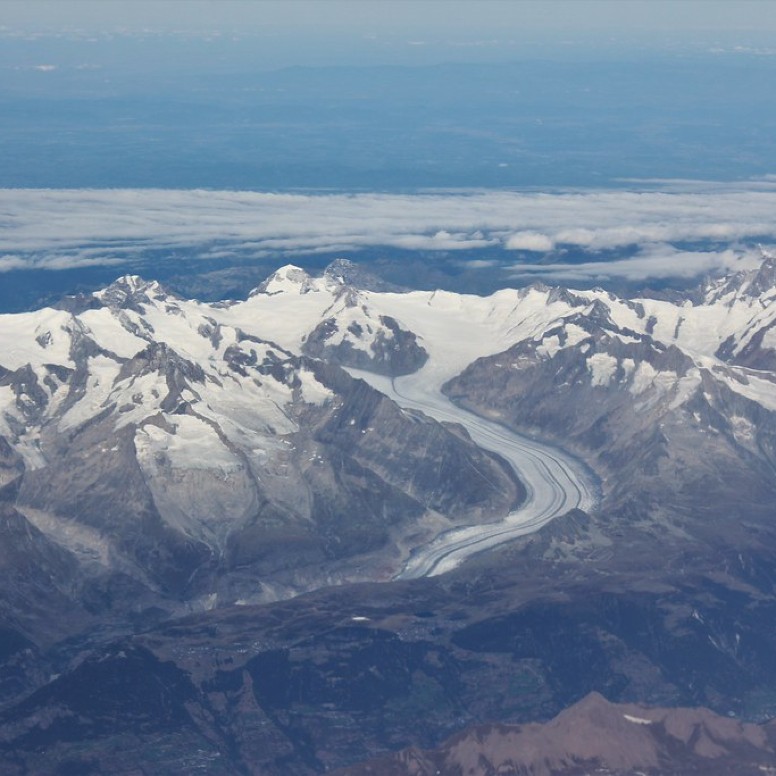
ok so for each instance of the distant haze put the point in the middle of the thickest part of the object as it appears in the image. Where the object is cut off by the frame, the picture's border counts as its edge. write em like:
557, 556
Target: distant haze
356, 111
457, 17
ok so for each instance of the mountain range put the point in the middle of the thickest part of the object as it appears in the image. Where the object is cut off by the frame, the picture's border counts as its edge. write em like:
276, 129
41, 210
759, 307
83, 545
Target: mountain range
382, 516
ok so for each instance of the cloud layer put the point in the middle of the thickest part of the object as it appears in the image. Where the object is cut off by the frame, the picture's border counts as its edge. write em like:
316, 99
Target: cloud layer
665, 232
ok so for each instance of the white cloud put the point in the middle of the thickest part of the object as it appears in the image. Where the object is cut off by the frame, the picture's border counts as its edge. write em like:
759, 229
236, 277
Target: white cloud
529, 241
479, 263
60, 228
580, 237
659, 261
10, 262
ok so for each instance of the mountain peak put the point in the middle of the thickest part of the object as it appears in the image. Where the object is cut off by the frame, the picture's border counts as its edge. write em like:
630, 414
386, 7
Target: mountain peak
343, 272
750, 284
764, 278
131, 291
340, 269
288, 279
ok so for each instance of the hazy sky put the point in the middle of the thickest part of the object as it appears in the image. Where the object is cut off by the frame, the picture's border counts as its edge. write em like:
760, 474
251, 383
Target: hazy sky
451, 17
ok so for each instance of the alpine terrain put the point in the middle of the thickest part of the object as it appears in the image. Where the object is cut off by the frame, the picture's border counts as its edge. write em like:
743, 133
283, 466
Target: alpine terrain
331, 522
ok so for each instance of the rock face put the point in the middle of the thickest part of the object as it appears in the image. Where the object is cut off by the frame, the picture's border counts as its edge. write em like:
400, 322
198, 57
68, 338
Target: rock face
380, 346
595, 736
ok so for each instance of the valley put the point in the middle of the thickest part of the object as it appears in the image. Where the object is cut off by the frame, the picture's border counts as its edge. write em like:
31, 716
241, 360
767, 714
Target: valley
306, 520
555, 483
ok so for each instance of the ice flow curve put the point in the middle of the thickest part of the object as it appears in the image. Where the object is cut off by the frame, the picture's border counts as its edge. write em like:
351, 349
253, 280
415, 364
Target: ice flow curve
555, 482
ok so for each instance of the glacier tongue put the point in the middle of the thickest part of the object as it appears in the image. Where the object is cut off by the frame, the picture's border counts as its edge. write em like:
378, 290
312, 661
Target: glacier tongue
555, 482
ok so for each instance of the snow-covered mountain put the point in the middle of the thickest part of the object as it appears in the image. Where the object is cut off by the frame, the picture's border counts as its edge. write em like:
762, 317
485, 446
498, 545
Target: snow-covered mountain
160, 456
219, 452
669, 401
196, 453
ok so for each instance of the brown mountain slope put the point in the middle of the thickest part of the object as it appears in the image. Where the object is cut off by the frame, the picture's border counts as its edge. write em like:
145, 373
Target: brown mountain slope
595, 736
